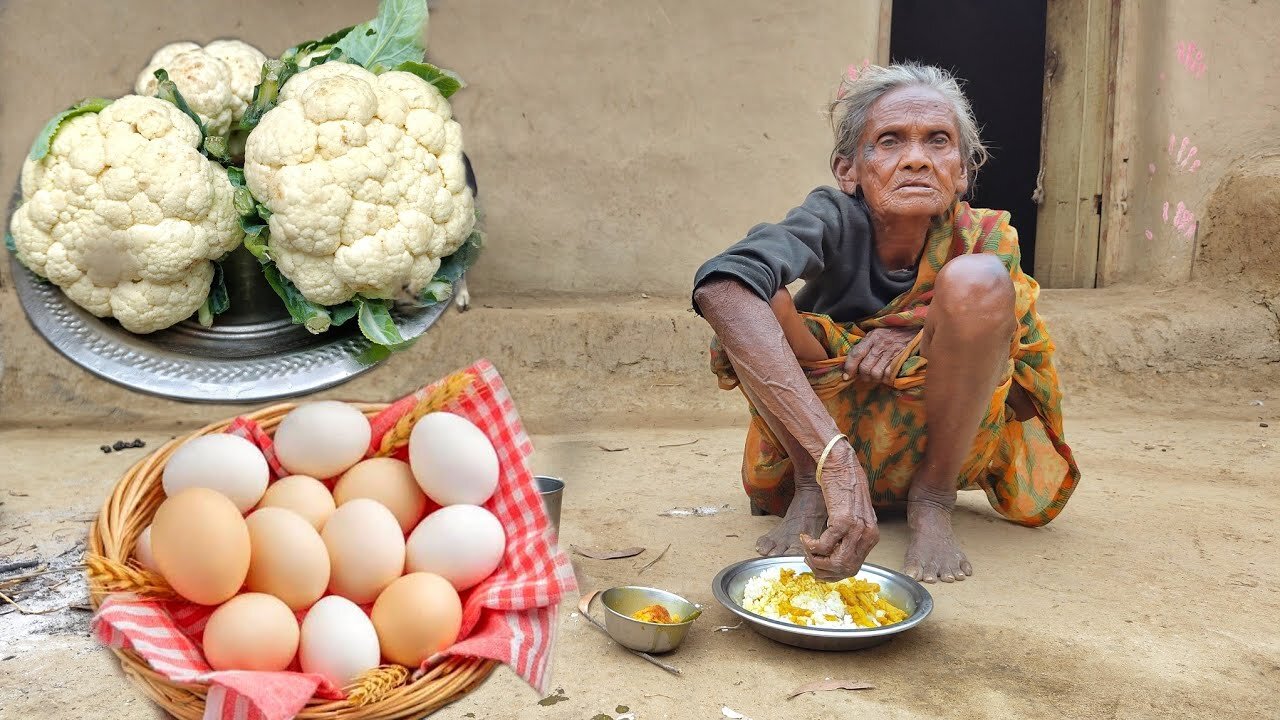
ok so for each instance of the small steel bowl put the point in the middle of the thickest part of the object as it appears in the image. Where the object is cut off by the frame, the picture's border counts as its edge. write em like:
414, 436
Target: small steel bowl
898, 589
621, 602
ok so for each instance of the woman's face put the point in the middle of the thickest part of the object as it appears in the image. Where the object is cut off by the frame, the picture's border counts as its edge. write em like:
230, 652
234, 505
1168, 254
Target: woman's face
908, 162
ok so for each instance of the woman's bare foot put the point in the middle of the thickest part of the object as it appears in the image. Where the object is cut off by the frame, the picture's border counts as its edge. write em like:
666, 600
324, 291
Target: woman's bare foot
933, 553
807, 514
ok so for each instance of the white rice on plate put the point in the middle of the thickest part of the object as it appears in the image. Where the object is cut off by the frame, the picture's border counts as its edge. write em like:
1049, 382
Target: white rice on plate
801, 599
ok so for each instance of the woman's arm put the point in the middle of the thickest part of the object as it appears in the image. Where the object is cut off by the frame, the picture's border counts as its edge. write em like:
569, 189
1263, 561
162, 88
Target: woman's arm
773, 255
767, 368
750, 334
806, 347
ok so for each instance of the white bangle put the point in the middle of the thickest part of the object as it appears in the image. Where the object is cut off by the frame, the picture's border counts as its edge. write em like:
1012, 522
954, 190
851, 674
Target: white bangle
822, 459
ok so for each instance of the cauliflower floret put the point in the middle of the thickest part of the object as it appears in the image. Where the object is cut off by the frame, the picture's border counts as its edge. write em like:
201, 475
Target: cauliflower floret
245, 63
125, 214
364, 178
217, 80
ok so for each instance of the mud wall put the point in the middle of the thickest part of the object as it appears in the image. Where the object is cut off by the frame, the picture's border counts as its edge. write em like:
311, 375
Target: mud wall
618, 144
1197, 114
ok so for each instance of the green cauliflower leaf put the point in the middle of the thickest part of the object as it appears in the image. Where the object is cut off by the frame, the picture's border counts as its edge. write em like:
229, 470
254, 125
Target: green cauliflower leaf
393, 37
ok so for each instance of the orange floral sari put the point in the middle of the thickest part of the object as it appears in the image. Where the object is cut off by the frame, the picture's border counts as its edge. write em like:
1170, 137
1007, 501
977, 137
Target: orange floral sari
1025, 468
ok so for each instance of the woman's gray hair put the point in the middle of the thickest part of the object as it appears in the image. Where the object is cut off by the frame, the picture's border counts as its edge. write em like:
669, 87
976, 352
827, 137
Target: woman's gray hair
863, 86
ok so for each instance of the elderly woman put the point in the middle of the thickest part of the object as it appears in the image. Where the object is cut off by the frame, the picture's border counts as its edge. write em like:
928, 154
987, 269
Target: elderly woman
914, 306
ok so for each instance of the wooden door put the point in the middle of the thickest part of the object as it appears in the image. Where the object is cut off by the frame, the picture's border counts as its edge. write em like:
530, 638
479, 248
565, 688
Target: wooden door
1075, 140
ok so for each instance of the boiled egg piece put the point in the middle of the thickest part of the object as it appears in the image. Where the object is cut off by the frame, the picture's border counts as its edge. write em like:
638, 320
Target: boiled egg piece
288, 559
302, 494
338, 641
322, 439
253, 631
453, 460
200, 544
388, 481
416, 617
464, 544
366, 550
229, 464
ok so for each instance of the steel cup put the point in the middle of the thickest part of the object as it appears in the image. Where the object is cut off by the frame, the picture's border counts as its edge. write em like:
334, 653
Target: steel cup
552, 491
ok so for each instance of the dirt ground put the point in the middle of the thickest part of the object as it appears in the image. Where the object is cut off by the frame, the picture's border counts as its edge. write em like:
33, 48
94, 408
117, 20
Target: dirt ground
1153, 595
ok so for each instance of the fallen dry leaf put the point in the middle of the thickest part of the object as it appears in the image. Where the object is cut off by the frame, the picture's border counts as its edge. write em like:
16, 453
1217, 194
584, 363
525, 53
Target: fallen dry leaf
607, 554
655, 560
825, 685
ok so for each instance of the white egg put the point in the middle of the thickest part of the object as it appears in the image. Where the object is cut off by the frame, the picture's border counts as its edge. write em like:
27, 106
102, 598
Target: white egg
142, 551
322, 439
453, 460
338, 640
224, 463
464, 544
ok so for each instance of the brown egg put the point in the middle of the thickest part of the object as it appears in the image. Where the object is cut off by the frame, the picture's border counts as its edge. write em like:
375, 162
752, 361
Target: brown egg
287, 558
366, 550
200, 544
416, 617
388, 481
302, 494
253, 631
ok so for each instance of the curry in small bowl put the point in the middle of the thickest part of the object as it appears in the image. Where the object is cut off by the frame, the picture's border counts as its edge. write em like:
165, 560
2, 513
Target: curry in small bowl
647, 619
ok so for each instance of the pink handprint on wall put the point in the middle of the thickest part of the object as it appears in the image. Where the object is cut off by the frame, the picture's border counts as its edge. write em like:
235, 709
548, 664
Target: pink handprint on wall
1192, 58
1184, 221
1184, 159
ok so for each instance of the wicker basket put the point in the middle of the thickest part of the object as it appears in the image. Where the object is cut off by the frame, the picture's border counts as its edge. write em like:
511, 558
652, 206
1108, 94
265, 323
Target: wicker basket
384, 693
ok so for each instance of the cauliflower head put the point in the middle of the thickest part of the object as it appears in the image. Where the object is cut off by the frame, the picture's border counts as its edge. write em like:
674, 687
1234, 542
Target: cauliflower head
217, 80
365, 181
125, 214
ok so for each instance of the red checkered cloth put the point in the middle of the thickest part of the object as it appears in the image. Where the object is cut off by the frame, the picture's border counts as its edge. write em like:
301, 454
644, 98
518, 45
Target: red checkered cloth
510, 617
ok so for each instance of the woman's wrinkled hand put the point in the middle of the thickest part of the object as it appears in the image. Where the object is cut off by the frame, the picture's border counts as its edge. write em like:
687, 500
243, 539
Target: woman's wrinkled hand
852, 530
843, 547
872, 358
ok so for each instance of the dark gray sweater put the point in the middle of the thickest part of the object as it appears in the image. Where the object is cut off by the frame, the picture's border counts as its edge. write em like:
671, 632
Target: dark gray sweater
827, 242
